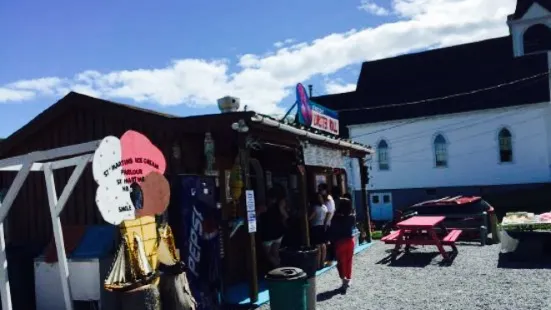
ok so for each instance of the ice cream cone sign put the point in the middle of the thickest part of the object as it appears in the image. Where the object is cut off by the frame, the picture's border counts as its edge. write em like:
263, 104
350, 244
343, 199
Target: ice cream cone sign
130, 175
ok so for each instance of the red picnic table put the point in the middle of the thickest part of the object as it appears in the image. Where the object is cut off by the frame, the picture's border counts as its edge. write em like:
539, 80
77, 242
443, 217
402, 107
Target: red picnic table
420, 230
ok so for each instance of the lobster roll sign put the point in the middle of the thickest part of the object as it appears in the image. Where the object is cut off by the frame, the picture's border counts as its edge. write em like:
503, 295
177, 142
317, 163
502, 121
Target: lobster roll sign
314, 115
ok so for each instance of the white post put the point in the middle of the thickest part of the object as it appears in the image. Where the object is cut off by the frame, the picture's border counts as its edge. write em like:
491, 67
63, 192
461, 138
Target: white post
5, 289
14, 189
58, 235
5, 206
24, 164
80, 164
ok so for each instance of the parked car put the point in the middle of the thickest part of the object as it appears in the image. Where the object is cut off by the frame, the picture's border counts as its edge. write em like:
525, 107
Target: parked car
472, 214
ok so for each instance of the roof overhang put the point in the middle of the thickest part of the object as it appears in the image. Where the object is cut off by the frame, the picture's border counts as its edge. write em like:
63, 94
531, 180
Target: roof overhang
260, 119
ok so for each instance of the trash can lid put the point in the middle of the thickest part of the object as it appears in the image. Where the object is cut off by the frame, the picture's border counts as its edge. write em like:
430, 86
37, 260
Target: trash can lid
286, 273
300, 250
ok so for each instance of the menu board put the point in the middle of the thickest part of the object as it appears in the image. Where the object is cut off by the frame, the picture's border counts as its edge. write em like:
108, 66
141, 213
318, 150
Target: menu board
321, 156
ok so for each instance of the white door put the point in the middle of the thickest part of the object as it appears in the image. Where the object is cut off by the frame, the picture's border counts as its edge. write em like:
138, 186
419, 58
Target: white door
381, 206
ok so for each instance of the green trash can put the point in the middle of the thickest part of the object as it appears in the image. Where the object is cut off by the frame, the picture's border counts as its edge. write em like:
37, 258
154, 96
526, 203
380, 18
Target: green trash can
305, 258
288, 288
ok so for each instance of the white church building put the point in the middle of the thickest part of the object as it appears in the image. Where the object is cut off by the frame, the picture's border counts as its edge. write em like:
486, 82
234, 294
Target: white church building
472, 119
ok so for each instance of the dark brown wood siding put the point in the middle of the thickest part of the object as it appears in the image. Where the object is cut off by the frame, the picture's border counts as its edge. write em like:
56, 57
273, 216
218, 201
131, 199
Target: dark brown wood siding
29, 220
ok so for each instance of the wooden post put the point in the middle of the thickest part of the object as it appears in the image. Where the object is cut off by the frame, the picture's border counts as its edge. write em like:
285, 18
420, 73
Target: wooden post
304, 207
251, 249
303, 181
363, 196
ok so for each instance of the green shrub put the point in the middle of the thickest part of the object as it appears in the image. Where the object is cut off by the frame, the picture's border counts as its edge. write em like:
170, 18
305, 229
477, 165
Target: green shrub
376, 235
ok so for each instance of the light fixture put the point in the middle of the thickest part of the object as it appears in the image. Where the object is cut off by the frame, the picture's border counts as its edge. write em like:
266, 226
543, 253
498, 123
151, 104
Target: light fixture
240, 126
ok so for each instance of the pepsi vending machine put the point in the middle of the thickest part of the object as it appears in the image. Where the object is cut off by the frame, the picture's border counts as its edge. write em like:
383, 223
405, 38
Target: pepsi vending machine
195, 220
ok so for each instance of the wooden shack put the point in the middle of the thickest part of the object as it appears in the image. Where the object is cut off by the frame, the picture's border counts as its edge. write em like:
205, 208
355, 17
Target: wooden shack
273, 151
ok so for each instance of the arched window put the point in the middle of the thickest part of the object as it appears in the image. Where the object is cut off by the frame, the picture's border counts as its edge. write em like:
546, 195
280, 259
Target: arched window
537, 38
505, 146
440, 151
382, 155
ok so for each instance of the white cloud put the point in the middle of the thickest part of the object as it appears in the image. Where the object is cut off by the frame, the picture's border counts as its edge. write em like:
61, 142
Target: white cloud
373, 8
8, 95
338, 86
263, 81
44, 85
280, 44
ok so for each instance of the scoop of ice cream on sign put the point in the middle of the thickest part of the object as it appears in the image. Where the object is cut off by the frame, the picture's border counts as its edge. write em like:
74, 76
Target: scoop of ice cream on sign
130, 175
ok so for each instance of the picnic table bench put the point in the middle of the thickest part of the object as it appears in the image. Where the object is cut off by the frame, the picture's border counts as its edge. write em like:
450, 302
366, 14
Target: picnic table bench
477, 222
421, 230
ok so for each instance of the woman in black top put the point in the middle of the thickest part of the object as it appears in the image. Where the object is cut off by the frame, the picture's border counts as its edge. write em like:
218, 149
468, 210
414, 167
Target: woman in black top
318, 234
342, 236
272, 224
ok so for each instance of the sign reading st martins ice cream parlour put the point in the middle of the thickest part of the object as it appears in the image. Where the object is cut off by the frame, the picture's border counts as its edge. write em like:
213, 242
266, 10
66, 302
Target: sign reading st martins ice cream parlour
129, 173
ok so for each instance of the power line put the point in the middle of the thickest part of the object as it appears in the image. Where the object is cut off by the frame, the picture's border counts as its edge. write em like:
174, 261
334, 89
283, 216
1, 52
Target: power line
479, 150
449, 96
468, 137
536, 77
422, 134
418, 120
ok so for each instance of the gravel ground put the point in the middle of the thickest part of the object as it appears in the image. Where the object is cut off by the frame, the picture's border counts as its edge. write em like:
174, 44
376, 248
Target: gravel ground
419, 281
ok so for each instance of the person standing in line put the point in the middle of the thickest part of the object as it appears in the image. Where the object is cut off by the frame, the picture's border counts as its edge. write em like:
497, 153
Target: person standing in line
272, 222
318, 234
329, 202
341, 234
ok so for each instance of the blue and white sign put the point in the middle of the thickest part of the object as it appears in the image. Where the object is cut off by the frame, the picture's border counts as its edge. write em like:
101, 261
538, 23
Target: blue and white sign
196, 223
314, 115
251, 210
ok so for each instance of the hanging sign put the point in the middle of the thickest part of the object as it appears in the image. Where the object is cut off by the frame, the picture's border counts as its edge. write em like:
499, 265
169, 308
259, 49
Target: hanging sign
321, 156
129, 173
314, 115
251, 213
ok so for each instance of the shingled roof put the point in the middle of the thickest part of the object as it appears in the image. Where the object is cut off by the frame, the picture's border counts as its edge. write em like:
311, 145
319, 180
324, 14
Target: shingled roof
384, 86
199, 123
524, 5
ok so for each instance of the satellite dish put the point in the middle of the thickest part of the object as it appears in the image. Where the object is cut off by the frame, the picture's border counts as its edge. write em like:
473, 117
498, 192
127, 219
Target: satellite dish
130, 177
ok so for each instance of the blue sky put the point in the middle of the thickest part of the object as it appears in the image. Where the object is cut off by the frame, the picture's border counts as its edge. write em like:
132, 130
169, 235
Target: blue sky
180, 56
